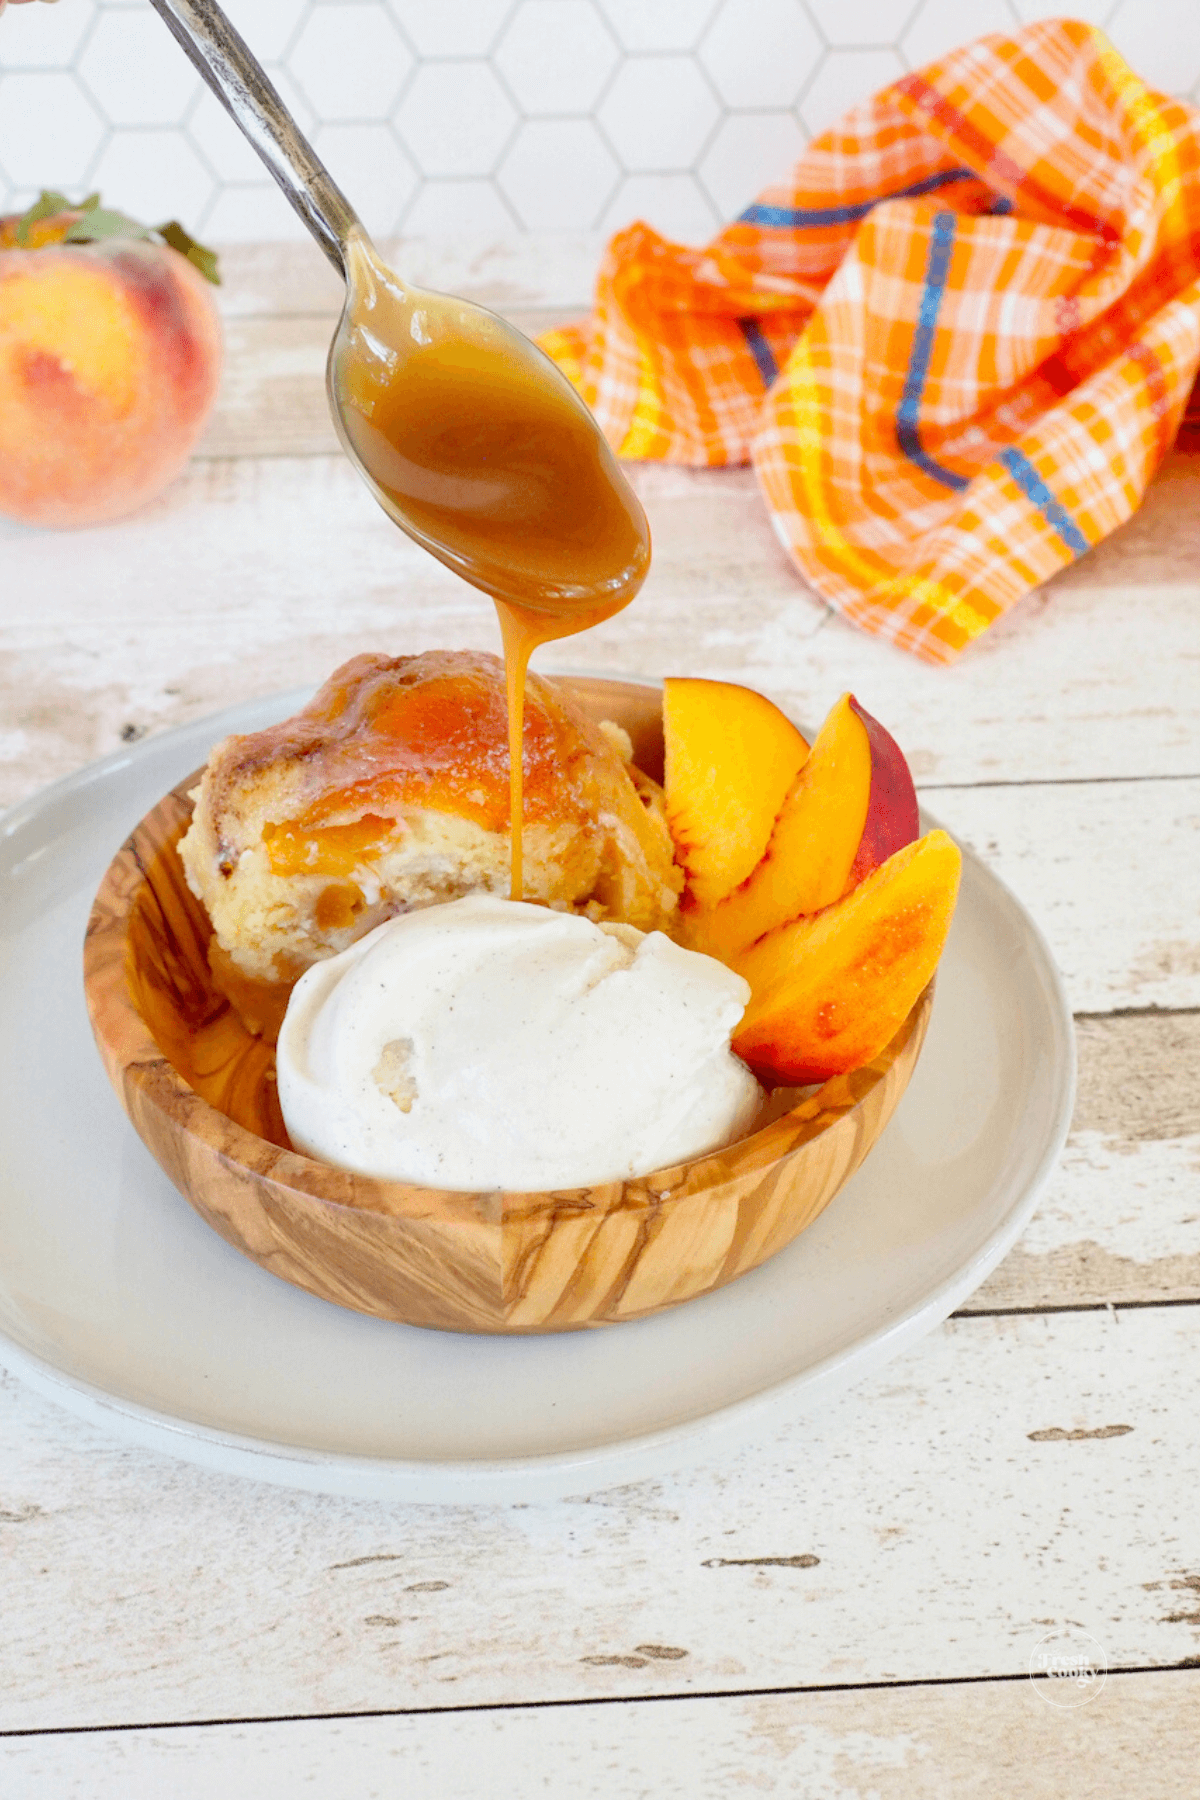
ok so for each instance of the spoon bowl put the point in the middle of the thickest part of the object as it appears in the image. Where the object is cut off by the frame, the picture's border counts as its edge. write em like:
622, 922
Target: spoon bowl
479, 448
470, 438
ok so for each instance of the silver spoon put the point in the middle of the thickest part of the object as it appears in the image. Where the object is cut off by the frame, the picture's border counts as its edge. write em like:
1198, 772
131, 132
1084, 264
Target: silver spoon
467, 434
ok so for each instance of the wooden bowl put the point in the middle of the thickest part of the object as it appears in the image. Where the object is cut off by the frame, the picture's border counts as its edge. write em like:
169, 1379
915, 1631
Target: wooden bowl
200, 1091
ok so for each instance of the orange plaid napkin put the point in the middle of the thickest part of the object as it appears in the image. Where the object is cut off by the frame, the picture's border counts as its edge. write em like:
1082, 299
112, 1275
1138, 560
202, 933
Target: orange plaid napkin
956, 345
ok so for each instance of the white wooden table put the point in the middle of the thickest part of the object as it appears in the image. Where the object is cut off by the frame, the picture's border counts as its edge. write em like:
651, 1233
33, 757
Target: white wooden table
848, 1608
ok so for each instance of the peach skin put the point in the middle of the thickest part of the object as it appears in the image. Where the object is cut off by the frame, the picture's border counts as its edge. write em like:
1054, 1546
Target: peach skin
851, 806
892, 815
110, 354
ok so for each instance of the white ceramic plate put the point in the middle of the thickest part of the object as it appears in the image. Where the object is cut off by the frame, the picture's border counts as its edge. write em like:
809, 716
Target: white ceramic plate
117, 1301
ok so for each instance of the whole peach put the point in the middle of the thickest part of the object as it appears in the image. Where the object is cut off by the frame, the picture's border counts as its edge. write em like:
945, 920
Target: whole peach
110, 355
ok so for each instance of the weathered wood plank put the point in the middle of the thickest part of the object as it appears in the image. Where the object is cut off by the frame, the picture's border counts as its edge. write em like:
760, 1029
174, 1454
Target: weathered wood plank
1137, 1737
530, 270
1122, 924
958, 1506
272, 396
1123, 940
989, 1487
1120, 1218
255, 574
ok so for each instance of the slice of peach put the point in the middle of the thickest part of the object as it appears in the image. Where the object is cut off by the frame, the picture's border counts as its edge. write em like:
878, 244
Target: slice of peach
828, 992
892, 815
851, 806
731, 756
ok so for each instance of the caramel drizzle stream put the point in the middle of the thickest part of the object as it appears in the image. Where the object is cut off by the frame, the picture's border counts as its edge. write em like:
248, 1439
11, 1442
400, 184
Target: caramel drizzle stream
522, 630
520, 641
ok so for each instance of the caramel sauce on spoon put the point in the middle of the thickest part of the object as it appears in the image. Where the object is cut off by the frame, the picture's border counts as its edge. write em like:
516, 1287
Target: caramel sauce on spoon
481, 450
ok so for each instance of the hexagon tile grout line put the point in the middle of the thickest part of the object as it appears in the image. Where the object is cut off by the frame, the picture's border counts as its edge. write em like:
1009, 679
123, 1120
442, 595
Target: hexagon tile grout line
492, 115
539, 61
427, 193
633, 122
430, 119
741, 78
825, 74
465, 13
358, 89
535, 189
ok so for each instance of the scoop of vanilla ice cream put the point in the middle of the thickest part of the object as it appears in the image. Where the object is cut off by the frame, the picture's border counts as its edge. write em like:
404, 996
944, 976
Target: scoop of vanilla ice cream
491, 1044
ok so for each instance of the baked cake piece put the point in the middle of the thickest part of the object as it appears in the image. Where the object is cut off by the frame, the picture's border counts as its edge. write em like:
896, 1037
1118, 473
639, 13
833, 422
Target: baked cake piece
389, 791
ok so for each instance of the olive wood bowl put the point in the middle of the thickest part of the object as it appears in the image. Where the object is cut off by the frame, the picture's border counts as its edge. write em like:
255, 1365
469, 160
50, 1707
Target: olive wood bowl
200, 1091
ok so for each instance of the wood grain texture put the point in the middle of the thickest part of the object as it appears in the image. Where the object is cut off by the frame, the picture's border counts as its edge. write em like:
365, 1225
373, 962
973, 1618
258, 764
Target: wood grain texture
136, 1588
1119, 1222
272, 397
200, 1091
554, 269
1121, 921
949, 1533
1135, 1741
256, 574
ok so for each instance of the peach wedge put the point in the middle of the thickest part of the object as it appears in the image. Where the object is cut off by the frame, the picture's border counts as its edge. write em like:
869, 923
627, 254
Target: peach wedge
731, 756
892, 815
829, 991
851, 806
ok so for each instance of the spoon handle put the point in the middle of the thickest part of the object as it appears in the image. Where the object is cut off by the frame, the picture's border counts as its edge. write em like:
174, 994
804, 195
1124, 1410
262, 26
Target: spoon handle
240, 83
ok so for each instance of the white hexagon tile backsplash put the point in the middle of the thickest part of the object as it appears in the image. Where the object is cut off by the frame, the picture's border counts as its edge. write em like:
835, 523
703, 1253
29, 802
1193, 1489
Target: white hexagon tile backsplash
458, 117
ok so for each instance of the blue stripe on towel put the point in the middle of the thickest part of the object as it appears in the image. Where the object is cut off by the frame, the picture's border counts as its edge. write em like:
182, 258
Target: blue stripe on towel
760, 350
1035, 489
937, 267
800, 217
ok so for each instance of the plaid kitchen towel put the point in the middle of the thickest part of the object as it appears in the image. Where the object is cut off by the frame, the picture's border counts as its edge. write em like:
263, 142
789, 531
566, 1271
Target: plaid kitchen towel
956, 345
